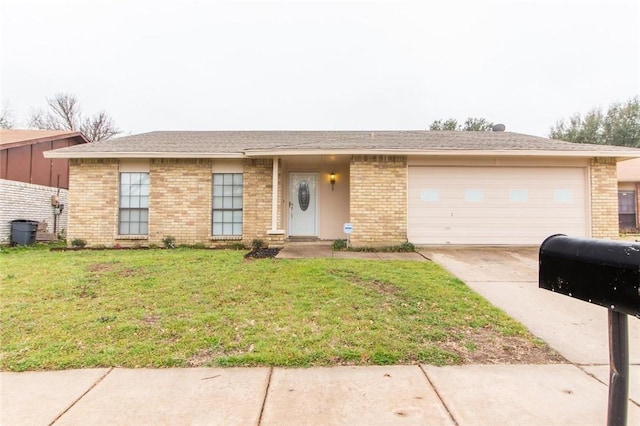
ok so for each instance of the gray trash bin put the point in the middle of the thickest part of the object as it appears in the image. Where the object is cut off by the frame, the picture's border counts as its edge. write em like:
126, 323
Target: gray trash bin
23, 232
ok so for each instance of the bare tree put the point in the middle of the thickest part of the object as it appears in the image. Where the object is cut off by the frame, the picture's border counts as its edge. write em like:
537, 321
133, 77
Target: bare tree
64, 113
99, 127
6, 117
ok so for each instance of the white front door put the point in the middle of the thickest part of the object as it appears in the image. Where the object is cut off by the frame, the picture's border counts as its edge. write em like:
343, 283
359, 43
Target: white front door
303, 205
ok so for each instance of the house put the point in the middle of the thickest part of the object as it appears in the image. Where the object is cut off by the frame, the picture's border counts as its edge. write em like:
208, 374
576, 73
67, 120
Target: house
628, 190
427, 187
28, 181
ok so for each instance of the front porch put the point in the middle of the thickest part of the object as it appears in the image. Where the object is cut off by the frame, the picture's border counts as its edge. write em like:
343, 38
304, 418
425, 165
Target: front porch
310, 198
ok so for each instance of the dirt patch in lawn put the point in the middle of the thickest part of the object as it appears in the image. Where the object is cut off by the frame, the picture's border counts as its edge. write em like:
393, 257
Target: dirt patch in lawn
100, 267
151, 320
487, 346
376, 285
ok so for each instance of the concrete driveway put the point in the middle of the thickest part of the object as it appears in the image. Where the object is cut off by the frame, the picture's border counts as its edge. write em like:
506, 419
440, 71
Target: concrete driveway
508, 278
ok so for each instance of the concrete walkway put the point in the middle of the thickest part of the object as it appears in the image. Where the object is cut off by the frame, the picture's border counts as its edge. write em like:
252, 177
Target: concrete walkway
508, 278
560, 394
395, 395
323, 249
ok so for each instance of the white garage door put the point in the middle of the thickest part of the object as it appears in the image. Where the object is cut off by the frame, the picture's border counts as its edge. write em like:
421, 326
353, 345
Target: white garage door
495, 205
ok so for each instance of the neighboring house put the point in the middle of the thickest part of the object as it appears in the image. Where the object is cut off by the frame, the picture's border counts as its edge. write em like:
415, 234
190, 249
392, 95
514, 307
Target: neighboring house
427, 187
28, 180
628, 194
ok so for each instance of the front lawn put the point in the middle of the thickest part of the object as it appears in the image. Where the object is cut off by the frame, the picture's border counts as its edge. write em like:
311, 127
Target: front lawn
190, 307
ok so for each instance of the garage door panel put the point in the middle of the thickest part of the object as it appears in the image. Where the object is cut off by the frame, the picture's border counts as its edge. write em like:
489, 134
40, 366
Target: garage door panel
495, 205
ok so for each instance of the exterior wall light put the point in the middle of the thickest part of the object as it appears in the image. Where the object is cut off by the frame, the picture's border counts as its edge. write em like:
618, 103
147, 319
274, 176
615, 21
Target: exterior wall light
332, 179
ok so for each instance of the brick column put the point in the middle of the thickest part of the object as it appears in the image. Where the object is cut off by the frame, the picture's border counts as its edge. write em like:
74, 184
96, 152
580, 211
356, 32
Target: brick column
604, 198
93, 201
378, 200
257, 202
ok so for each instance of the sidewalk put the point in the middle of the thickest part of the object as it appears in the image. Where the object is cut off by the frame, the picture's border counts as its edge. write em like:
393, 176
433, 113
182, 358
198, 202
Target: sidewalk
324, 250
557, 394
395, 395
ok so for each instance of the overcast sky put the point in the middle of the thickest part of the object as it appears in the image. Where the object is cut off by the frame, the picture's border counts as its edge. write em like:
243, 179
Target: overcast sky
320, 65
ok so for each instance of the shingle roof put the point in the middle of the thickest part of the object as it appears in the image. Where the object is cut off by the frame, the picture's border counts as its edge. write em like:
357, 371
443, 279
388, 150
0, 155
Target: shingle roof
247, 143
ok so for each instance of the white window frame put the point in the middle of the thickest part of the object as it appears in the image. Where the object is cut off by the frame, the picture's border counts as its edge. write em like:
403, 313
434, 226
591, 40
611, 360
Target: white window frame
227, 205
133, 203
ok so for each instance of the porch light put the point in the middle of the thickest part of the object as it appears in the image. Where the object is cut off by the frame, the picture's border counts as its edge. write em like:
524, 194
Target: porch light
332, 179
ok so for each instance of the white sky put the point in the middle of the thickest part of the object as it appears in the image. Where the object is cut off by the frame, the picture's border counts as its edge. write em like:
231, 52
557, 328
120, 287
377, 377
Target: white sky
320, 65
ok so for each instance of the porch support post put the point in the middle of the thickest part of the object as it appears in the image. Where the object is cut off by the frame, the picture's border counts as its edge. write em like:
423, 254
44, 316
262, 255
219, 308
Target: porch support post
275, 235
274, 195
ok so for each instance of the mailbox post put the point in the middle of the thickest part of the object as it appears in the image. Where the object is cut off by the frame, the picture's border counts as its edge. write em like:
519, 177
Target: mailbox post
606, 273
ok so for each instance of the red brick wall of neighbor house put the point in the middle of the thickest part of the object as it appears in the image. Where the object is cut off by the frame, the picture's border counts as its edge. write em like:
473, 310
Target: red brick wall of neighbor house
27, 164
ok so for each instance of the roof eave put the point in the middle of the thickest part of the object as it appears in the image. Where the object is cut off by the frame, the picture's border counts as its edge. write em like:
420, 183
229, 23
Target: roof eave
88, 155
619, 155
34, 141
445, 152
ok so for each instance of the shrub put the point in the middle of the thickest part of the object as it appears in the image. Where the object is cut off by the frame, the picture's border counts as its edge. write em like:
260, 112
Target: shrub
78, 242
169, 242
235, 246
339, 245
257, 244
406, 247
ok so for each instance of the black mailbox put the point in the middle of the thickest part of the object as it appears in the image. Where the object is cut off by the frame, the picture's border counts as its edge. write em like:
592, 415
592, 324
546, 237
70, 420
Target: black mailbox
603, 272
606, 273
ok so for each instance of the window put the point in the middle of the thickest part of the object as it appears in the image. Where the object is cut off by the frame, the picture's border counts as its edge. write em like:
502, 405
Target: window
134, 204
430, 195
227, 204
518, 195
627, 209
562, 195
474, 195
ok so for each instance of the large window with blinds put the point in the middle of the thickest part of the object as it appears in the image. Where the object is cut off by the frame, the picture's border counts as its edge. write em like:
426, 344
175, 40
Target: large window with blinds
134, 204
227, 205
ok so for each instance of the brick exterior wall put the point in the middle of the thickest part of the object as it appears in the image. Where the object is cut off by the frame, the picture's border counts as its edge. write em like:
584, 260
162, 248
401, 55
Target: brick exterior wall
604, 198
257, 180
20, 200
180, 192
93, 201
179, 202
378, 200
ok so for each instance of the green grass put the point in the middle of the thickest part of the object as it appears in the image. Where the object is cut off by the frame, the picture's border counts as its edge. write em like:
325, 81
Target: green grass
188, 307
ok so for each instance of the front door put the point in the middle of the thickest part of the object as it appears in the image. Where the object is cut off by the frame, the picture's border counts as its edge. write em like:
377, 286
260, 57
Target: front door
303, 205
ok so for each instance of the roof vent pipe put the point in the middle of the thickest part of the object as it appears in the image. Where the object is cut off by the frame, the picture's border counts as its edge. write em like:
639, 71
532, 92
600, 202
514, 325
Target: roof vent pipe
498, 128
